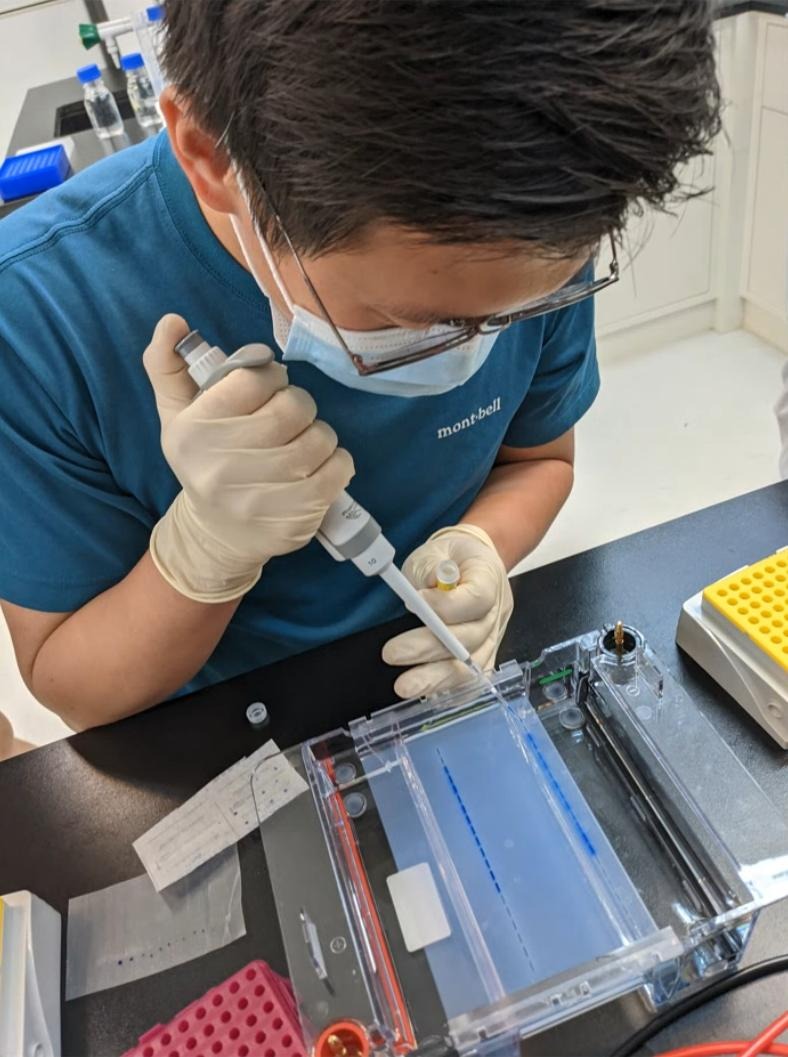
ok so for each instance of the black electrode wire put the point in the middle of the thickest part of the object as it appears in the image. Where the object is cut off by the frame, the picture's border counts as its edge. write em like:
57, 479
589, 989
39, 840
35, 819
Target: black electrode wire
721, 987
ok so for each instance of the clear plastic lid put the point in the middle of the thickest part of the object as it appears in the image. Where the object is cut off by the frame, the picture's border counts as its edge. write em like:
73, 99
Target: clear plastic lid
471, 869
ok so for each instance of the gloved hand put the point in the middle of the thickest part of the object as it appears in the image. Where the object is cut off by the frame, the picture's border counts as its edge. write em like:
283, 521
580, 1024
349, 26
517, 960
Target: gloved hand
477, 610
258, 471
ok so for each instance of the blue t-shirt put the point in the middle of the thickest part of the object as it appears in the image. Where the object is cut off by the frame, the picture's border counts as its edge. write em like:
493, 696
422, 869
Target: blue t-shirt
86, 271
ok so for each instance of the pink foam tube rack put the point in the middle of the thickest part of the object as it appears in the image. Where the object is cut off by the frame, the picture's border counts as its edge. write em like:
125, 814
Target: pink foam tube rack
251, 1014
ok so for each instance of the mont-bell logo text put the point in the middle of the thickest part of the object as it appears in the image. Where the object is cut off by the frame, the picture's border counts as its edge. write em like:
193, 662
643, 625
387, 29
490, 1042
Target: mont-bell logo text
470, 420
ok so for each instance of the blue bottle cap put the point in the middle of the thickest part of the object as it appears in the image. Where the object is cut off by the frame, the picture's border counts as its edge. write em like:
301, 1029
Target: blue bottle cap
155, 13
88, 73
132, 62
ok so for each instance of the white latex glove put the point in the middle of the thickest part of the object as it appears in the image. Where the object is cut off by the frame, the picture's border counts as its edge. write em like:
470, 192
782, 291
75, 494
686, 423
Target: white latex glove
477, 610
258, 471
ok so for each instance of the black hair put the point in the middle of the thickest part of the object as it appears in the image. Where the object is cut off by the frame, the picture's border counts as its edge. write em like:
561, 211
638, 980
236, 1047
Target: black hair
474, 121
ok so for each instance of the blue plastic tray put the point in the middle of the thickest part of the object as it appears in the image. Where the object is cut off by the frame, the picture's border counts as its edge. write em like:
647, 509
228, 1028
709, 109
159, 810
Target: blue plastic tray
33, 172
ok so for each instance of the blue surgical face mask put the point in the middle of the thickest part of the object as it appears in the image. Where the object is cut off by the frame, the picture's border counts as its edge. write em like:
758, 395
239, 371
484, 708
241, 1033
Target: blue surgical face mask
309, 339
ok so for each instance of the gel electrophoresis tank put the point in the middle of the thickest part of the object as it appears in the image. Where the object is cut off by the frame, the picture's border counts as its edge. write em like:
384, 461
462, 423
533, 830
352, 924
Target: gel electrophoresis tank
467, 871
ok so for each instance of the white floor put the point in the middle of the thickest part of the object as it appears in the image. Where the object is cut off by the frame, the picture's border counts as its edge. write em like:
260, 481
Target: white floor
674, 429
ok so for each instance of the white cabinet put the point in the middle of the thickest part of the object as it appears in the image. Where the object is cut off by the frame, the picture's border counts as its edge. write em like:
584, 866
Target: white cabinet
767, 283
765, 270
775, 73
721, 259
666, 259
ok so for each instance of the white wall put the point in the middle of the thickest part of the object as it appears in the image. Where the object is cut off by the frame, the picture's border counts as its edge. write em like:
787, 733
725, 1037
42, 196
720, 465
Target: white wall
41, 45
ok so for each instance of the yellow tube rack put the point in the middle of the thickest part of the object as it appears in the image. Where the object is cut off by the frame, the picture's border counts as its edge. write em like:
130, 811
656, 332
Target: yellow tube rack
755, 601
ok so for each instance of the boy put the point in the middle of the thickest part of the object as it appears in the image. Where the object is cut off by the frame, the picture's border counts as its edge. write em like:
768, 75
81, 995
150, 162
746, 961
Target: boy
402, 200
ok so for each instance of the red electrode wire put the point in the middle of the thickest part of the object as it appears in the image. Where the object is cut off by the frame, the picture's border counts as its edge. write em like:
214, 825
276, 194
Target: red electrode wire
735, 1047
763, 1044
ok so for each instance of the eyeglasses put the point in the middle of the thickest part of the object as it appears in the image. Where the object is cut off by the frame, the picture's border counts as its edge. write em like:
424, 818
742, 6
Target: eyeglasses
453, 333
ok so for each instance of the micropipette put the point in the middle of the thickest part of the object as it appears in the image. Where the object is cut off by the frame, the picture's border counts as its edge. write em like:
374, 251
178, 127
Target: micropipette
348, 531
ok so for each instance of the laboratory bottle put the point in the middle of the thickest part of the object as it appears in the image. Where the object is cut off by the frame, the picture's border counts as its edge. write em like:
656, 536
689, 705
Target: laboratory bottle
141, 94
100, 103
155, 16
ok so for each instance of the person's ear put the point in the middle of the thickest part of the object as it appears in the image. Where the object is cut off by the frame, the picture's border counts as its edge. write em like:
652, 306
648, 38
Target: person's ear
207, 167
